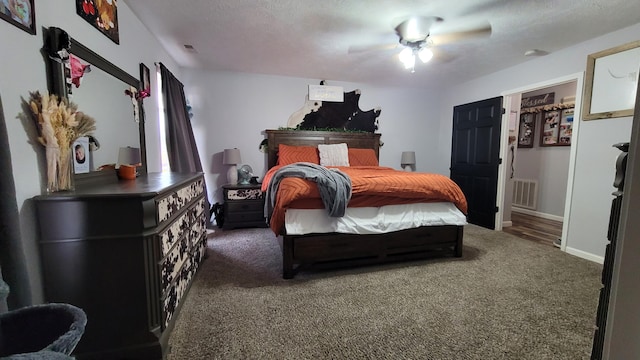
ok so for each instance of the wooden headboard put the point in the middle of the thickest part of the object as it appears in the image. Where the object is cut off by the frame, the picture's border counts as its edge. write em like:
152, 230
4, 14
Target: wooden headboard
360, 140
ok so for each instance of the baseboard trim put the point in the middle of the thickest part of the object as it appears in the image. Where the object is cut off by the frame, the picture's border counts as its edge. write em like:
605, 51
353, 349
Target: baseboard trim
584, 255
507, 224
538, 214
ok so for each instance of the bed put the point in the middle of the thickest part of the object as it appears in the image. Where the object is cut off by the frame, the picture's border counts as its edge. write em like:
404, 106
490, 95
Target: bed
317, 249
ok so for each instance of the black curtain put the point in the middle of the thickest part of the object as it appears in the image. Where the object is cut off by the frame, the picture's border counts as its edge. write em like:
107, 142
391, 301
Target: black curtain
13, 267
181, 144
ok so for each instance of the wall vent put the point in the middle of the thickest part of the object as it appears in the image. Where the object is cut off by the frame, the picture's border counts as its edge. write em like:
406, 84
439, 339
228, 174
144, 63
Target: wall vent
525, 193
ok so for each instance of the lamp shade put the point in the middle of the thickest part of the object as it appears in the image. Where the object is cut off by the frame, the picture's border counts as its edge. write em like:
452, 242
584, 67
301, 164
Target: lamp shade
425, 54
408, 158
231, 156
129, 156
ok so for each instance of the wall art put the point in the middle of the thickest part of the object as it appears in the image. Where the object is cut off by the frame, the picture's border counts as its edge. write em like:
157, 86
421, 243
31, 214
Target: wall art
611, 82
526, 131
102, 14
20, 13
145, 81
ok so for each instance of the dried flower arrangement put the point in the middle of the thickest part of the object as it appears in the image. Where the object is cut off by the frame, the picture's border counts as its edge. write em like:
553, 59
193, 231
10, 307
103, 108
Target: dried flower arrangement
59, 124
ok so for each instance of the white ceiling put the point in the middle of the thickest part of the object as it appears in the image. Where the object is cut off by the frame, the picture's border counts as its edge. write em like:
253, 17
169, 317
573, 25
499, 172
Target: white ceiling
311, 38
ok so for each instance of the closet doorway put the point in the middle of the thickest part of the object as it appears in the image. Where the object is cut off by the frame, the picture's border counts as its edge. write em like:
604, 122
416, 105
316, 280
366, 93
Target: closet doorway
538, 152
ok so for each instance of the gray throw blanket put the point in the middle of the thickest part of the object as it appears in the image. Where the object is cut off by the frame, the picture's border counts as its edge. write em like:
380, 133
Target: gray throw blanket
334, 186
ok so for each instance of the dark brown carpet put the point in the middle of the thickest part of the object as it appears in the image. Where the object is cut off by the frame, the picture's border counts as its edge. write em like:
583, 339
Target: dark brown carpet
506, 298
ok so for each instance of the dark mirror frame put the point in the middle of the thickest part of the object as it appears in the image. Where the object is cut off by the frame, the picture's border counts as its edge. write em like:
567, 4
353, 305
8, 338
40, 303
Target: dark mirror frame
56, 40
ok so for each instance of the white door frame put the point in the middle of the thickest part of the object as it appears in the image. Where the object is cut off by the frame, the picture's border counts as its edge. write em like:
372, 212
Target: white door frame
504, 145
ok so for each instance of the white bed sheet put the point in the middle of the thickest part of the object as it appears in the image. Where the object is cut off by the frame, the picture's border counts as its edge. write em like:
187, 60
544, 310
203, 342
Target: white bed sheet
373, 220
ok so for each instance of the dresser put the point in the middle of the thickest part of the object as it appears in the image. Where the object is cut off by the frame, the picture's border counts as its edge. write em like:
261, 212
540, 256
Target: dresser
243, 206
126, 253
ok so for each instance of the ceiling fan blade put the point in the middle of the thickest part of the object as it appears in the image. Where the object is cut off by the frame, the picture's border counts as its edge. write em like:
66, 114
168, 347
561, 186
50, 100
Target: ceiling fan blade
354, 49
445, 38
442, 56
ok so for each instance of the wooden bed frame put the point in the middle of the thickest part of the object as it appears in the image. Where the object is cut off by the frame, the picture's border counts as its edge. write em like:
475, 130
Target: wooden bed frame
339, 250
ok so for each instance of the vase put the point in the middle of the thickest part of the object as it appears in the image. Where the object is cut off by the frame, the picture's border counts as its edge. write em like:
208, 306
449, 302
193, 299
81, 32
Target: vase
59, 169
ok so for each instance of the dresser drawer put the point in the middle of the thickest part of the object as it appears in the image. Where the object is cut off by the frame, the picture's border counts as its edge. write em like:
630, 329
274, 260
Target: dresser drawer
173, 203
176, 231
172, 264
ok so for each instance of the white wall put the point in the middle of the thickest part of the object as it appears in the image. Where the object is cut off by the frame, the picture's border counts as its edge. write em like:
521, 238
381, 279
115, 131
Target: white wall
233, 110
595, 158
23, 70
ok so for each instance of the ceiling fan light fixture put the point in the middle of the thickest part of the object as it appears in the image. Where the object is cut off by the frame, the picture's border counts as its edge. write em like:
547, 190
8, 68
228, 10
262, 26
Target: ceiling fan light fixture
407, 58
412, 31
425, 54
416, 28
410, 63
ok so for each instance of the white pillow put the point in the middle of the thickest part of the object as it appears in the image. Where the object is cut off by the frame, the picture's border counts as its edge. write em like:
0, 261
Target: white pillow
334, 154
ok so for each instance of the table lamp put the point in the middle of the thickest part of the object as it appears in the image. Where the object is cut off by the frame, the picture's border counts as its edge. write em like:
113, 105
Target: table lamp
231, 157
128, 160
408, 160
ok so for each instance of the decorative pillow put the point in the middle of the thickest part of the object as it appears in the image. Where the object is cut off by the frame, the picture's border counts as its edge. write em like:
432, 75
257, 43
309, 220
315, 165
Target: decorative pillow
334, 154
288, 154
362, 157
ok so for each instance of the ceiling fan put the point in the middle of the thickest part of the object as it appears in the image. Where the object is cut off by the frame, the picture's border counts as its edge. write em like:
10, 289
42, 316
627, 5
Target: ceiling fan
416, 36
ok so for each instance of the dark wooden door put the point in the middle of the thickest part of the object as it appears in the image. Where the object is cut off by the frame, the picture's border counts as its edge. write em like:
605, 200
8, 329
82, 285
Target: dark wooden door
475, 157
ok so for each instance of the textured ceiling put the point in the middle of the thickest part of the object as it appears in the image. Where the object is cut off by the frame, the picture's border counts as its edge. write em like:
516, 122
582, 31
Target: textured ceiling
311, 38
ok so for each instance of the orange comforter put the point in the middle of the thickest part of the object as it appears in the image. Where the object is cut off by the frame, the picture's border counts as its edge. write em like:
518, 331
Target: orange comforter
372, 186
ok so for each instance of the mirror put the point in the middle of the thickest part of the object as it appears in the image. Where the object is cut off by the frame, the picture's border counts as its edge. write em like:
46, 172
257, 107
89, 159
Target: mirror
101, 95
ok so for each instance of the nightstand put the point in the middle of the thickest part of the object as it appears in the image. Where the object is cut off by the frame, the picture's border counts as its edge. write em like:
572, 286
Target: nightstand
243, 206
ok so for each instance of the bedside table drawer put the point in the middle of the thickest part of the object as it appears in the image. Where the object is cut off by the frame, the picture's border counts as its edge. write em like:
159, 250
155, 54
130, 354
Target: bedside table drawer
244, 217
245, 206
243, 194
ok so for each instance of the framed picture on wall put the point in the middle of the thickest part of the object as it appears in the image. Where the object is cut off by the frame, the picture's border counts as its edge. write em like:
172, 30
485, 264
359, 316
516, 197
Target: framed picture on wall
549, 128
145, 81
19, 13
611, 82
566, 127
526, 130
102, 15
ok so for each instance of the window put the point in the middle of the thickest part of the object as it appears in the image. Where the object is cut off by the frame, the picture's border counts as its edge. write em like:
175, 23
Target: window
161, 125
